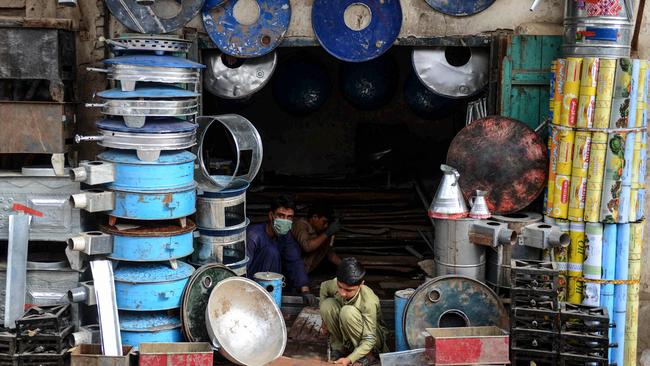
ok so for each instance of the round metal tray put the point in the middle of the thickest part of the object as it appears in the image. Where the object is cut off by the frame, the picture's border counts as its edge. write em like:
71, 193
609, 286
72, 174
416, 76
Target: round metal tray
128, 75
142, 42
135, 112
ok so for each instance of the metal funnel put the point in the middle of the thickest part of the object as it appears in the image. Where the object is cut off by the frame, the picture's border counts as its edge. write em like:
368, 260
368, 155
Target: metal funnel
449, 202
479, 206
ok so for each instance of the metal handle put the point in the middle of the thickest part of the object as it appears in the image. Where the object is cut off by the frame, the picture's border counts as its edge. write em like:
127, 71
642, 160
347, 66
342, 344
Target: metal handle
81, 138
95, 105
96, 69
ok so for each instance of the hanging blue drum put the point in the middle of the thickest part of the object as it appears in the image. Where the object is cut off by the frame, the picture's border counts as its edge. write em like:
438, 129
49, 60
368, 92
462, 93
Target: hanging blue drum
150, 286
460, 8
356, 30
369, 85
425, 103
145, 18
301, 85
145, 241
149, 327
263, 26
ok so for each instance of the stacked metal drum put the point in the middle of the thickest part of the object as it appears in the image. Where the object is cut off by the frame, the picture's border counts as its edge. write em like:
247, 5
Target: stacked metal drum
152, 190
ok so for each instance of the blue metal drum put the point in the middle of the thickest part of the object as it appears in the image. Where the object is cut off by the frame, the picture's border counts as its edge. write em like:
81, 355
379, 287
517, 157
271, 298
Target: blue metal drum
150, 286
460, 8
366, 43
149, 327
170, 204
401, 299
273, 283
151, 241
172, 170
247, 40
143, 18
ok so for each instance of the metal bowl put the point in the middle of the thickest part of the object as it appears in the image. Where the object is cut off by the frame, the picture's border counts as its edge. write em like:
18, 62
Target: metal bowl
244, 322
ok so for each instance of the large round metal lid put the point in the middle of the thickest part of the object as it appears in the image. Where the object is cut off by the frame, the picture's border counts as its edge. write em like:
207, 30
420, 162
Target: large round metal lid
248, 28
454, 72
503, 157
152, 321
153, 125
154, 61
240, 316
131, 157
140, 228
356, 30
152, 18
151, 272
460, 8
235, 78
195, 300
451, 301
151, 90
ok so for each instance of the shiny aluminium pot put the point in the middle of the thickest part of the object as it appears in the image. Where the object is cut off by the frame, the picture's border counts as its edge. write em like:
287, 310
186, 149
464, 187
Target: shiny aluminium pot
221, 246
172, 170
151, 241
148, 327
168, 204
222, 210
150, 286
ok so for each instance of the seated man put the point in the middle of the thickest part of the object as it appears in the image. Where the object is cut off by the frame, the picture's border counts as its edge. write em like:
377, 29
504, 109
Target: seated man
315, 236
271, 248
352, 316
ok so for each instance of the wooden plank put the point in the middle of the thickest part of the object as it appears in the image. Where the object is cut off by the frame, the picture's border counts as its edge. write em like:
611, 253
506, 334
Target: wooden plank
66, 24
12, 4
40, 8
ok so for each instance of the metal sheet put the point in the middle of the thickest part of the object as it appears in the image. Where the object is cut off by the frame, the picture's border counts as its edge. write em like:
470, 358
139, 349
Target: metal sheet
460, 8
102, 271
158, 43
239, 79
352, 45
503, 157
154, 61
195, 300
21, 121
434, 70
16, 285
156, 91
154, 205
260, 37
451, 301
143, 18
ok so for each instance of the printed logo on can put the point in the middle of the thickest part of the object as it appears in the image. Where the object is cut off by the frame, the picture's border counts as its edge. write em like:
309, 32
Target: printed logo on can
565, 191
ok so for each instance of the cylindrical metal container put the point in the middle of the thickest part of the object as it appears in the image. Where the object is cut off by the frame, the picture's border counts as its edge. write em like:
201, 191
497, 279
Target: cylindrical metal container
150, 286
151, 241
576, 259
571, 91
149, 327
401, 299
454, 253
221, 246
499, 258
172, 170
168, 204
239, 267
273, 283
221, 210
598, 28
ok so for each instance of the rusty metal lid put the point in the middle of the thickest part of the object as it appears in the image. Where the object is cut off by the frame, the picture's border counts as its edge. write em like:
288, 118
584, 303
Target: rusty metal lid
153, 228
195, 299
503, 157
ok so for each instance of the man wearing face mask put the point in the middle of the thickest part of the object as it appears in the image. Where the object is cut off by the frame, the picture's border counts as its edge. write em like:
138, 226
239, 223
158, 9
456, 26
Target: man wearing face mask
270, 247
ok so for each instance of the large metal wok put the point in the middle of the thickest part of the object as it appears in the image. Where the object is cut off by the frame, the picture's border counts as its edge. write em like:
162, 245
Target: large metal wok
244, 322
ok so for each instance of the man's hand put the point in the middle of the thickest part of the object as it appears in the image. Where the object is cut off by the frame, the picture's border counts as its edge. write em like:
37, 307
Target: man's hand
309, 299
323, 329
343, 361
333, 228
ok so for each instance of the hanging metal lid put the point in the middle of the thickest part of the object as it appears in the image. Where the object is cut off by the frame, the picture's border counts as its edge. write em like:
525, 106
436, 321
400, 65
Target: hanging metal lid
151, 272
247, 155
129, 157
135, 111
158, 43
149, 321
154, 61
195, 300
460, 8
148, 90
145, 18
454, 72
232, 78
266, 24
365, 31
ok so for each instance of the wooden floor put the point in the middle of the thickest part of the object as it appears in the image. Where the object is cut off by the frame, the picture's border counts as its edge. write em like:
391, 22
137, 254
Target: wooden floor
305, 344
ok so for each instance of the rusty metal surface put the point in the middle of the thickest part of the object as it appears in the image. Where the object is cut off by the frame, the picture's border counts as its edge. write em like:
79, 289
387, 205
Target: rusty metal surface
451, 301
468, 346
176, 354
503, 157
150, 228
91, 355
35, 127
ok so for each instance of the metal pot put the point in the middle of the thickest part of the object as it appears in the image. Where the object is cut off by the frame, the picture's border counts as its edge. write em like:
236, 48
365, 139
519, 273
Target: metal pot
170, 204
221, 246
140, 327
222, 210
150, 286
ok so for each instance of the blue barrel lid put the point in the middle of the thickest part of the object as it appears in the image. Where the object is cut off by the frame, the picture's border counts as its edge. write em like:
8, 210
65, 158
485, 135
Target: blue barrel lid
236, 188
153, 125
154, 61
131, 157
149, 90
148, 321
151, 272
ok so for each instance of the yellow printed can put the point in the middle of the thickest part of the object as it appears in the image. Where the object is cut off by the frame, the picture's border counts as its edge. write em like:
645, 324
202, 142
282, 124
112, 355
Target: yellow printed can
581, 151
552, 146
592, 202
634, 273
636, 159
575, 261
597, 154
622, 78
561, 197
589, 74
586, 111
577, 198
571, 91
575, 290
604, 93
587, 98
564, 161
560, 76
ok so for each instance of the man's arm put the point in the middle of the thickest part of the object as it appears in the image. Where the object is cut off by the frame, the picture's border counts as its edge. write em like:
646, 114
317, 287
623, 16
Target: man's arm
308, 244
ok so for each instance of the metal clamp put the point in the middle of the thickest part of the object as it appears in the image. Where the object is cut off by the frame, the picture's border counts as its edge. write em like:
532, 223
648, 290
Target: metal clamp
544, 236
93, 172
491, 234
92, 243
95, 200
83, 294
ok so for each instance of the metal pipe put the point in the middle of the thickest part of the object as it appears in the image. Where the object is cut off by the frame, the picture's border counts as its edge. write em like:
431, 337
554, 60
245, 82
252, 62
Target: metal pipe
78, 294
81, 138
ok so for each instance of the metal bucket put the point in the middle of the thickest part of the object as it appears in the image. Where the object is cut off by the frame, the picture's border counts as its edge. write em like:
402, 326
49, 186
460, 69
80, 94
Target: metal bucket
149, 327
169, 204
401, 298
454, 253
221, 210
596, 29
273, 283
239, 267
221, 246
150, 286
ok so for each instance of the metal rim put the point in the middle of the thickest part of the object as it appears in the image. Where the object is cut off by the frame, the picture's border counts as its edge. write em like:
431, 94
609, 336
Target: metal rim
155, 231
143, 42
147, 142
153, 74
159, 108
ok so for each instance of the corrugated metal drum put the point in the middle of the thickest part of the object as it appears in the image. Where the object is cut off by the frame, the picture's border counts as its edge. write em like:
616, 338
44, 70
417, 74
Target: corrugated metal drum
148, 327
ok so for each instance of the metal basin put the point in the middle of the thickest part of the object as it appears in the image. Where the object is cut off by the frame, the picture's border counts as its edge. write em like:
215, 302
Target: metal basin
243, 320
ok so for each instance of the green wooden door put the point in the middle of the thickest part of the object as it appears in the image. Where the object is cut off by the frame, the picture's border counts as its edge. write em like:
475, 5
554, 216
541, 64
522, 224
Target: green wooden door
525, 77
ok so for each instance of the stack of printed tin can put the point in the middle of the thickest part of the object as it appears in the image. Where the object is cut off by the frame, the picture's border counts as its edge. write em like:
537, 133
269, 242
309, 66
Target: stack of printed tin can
597, 147
147, 129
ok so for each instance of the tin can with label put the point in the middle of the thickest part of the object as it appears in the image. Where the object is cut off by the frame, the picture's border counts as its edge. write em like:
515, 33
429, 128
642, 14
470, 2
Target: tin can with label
552, 148
577, 198
612, 182
560, 76
592, 267
581, 151
576, 259
604, 92
561, 197
632, 310
587, 98
564, 161
571, 90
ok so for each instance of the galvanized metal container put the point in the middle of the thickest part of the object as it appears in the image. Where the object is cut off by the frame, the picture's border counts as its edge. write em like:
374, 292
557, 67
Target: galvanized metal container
149, 327
222, 210
151, 241
168, 204
401, 298
239, 267
273, 283
150, 286
454, 253
221, 246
